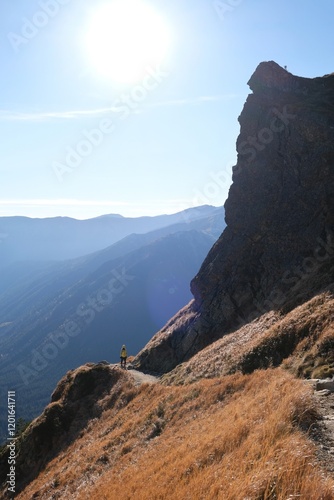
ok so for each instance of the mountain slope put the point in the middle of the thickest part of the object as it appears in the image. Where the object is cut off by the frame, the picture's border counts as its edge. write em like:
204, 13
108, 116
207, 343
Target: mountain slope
241, 436
36, 281
278, 245
84, 310
300, 340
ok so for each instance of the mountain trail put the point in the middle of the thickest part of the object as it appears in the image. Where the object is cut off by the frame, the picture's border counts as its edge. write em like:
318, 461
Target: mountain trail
323, 433
138, 377
143, 378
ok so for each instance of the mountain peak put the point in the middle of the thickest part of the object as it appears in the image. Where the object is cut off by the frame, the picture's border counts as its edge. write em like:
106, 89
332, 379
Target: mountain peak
270, 75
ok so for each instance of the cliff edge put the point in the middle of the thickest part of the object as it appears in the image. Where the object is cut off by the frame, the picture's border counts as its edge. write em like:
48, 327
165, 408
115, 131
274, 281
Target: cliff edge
277, 249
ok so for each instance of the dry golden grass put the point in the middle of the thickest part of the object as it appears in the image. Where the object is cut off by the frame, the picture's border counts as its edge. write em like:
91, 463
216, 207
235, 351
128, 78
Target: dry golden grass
221, 357
303, 340
236, 437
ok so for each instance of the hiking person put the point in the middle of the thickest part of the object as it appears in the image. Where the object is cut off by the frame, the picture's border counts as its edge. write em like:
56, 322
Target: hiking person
123, 356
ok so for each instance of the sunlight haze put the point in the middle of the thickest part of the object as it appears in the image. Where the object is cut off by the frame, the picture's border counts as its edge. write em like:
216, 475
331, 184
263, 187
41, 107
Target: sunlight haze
124, 38
132, 106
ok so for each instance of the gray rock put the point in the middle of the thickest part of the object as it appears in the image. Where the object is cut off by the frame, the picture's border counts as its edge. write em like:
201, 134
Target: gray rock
326, 384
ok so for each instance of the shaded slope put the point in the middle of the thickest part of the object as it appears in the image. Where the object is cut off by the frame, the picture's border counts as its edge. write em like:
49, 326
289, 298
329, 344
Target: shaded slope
301, 341
36, 283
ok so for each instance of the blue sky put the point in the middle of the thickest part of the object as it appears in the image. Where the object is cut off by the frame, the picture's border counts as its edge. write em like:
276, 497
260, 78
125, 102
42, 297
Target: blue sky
77, 142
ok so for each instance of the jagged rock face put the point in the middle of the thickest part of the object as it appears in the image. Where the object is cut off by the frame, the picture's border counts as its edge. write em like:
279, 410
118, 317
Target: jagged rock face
279, 239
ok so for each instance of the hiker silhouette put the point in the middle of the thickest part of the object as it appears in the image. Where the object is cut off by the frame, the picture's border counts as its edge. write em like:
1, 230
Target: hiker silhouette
123, 356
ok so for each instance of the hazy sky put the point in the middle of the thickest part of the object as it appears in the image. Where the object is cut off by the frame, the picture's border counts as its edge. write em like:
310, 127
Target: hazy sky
136, 112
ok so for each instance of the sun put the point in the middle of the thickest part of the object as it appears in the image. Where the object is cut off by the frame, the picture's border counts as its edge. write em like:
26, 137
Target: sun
124, 38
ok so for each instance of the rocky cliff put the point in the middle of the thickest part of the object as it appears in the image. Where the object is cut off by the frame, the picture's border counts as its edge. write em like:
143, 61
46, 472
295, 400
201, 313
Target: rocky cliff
277, 249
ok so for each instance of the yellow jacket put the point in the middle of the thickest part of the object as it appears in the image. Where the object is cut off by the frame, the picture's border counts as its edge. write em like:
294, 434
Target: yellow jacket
123, 353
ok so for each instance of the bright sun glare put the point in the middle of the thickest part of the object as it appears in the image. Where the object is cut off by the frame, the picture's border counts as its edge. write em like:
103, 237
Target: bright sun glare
124, 38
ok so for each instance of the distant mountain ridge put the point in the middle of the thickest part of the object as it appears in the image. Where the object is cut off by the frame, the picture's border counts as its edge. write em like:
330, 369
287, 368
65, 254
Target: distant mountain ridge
61, 238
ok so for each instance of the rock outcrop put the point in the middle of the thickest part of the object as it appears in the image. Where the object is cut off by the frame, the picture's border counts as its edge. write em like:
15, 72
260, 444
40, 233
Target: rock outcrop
75, 401
277, 249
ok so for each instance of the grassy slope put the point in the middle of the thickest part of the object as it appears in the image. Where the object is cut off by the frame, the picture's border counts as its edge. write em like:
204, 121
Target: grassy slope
227, 424
235, 437
301, 340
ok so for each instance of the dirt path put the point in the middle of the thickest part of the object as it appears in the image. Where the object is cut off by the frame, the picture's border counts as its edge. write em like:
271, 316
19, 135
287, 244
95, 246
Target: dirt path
138, 377
142, 378
323, 434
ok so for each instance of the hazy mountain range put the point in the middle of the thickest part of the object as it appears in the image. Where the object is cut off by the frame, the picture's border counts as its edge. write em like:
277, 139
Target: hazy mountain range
57, 315
59, 238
